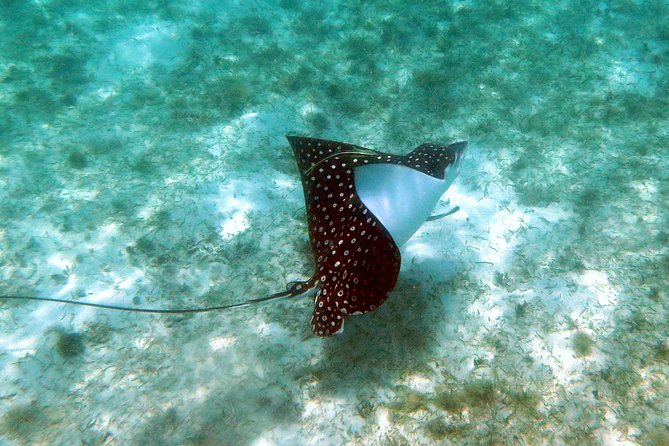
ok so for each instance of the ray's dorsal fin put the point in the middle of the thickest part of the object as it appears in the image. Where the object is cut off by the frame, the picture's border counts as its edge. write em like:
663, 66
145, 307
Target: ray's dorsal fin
357, 254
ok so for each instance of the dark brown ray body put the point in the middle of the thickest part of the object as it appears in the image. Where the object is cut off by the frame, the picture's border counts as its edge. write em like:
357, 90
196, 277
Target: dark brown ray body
357, 261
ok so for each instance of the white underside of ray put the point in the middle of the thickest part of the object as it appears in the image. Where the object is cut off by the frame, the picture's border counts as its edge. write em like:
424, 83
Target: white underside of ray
400, 197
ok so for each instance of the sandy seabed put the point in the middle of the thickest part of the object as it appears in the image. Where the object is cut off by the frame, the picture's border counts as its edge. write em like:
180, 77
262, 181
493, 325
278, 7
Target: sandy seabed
143, 162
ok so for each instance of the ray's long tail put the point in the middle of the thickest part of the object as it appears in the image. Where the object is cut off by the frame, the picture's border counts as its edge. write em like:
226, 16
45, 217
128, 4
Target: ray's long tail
293, 289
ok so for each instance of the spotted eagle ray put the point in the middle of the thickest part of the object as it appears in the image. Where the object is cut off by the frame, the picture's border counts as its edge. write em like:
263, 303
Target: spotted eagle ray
362, 205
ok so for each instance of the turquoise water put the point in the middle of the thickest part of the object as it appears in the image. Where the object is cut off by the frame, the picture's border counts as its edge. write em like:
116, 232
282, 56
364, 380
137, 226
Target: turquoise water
143, 162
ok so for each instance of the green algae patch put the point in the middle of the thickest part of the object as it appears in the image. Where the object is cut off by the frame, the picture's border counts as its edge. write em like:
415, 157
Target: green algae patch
70, 344
21, 422
582, 344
